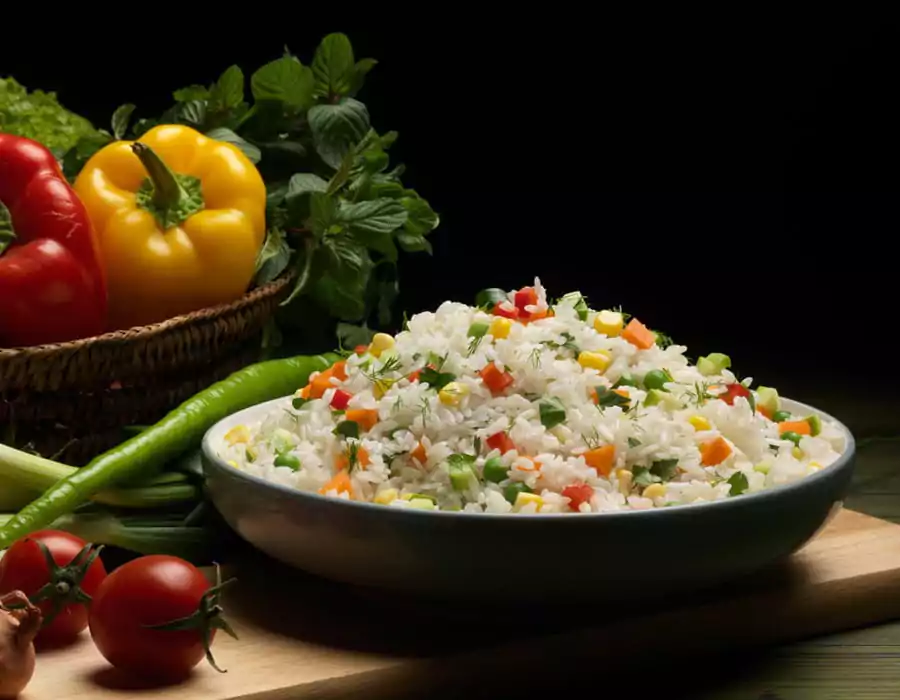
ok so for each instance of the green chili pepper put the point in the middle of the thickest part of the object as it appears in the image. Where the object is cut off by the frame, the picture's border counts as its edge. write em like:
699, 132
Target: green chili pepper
179, 431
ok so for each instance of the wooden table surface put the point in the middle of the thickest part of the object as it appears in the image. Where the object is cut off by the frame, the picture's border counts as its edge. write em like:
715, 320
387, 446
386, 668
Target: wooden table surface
859, 665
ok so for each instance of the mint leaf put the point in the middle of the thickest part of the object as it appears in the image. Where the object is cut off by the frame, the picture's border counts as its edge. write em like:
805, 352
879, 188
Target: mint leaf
284, 80
273, 259
373, 223
228, 92
421, 219
347, 429
190, 93
336, 128
322, 214
414, 244
7, 234
228, 136
360, 70
192, 113
436, 379
299, 190
345, 257
341, 300
379, 185
120, 119
77, 156
333, 66
387, 291
739, 483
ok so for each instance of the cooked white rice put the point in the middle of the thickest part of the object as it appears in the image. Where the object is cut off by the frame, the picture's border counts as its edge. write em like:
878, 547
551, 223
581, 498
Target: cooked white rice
677, 444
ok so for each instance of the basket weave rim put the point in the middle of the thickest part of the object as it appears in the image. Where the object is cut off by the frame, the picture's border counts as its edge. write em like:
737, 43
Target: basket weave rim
145, 332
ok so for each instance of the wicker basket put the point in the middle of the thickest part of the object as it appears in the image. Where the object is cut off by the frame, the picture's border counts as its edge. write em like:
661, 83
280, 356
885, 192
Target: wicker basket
72, 400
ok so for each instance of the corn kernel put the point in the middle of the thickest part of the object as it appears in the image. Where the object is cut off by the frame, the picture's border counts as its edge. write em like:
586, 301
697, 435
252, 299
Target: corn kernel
626, 481
797, 452
699, 423
654, 491
380, 343
815, 466
422, 504
523, 499
763, 467
609, 323
386, 496
598, 360
453, 394
381, 386
500, 328
234, 464
239, 433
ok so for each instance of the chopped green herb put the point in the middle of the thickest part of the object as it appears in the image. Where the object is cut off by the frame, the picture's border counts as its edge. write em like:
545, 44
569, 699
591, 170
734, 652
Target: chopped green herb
436, 379
625, 380
347, 429
644, 477
665, 469
476, 333
607, 398
352, 455
568, 343
552, 412
633, 442
699, 394
476, 445
488, 298
298, 402
739, 483
662, 340
535, 358
390, 364
250, 454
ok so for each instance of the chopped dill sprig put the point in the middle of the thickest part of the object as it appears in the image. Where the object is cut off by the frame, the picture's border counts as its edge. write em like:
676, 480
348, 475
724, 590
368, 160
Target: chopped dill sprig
392, 364
535, 357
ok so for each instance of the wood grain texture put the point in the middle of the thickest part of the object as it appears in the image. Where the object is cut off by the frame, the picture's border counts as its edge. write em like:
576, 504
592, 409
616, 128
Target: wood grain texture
305, 638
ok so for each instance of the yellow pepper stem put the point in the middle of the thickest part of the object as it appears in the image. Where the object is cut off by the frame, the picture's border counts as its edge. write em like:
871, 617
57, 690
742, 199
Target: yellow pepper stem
170, 197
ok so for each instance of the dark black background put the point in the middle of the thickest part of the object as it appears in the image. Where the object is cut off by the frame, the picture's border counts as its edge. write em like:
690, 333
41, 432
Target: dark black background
730, 181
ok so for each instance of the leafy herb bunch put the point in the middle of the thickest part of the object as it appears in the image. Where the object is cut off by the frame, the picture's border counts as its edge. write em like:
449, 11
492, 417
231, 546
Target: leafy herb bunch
336, 213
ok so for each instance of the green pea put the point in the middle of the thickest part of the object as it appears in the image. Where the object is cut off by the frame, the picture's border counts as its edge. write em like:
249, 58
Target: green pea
511, 492
656, 379
781, 416
495, 470
283, 459
792, 436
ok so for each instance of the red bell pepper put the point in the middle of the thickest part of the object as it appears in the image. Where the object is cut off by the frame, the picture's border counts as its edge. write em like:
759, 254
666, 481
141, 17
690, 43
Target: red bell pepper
52, 286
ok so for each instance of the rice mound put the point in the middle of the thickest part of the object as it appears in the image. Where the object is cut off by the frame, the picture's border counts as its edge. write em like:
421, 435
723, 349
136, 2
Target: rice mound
523, 406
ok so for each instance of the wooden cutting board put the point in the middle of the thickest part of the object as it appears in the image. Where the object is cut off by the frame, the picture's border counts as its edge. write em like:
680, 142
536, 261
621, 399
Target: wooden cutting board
302, 637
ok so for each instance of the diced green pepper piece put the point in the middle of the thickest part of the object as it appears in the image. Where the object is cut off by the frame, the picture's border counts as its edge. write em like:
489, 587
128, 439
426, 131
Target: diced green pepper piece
511, 492
462, 476
654, 396
625, 380
419, 497
713, 363
494, 470
422, 504
282, 440
767, 398
580, 305
815, 424
250, 453
285, 459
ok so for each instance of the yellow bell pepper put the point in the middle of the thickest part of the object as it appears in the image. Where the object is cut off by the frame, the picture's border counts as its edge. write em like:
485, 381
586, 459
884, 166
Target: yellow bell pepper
180, 220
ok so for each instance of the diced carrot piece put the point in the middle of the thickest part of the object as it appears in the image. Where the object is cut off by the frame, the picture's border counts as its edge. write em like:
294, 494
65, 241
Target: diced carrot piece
340, 482
366, 417
320, 384
304, 392
339, 370
801, 427
418, 453
495, 379
414, 376
765, 411
536, 316
532, 466
362, 459
638, 335
361, 349
621, 392
715, 451
601, 459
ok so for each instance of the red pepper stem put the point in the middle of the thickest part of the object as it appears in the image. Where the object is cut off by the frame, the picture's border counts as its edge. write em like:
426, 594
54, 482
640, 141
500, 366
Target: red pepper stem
168, 193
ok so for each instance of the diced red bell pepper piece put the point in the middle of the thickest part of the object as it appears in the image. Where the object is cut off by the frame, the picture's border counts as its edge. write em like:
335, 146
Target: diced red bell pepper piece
578, 494
340, 400
502, 442
505, 313
525, 297
732, 391
495, 379
361, 349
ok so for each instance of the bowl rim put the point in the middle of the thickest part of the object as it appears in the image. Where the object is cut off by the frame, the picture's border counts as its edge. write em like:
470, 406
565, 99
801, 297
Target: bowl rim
744, 500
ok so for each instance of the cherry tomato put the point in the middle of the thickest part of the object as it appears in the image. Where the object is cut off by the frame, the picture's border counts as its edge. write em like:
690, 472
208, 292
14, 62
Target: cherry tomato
732, 391
156, 617
578, 494
70, 583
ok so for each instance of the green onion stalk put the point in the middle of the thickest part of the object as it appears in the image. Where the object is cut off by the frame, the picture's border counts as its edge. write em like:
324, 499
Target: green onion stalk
24, 476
